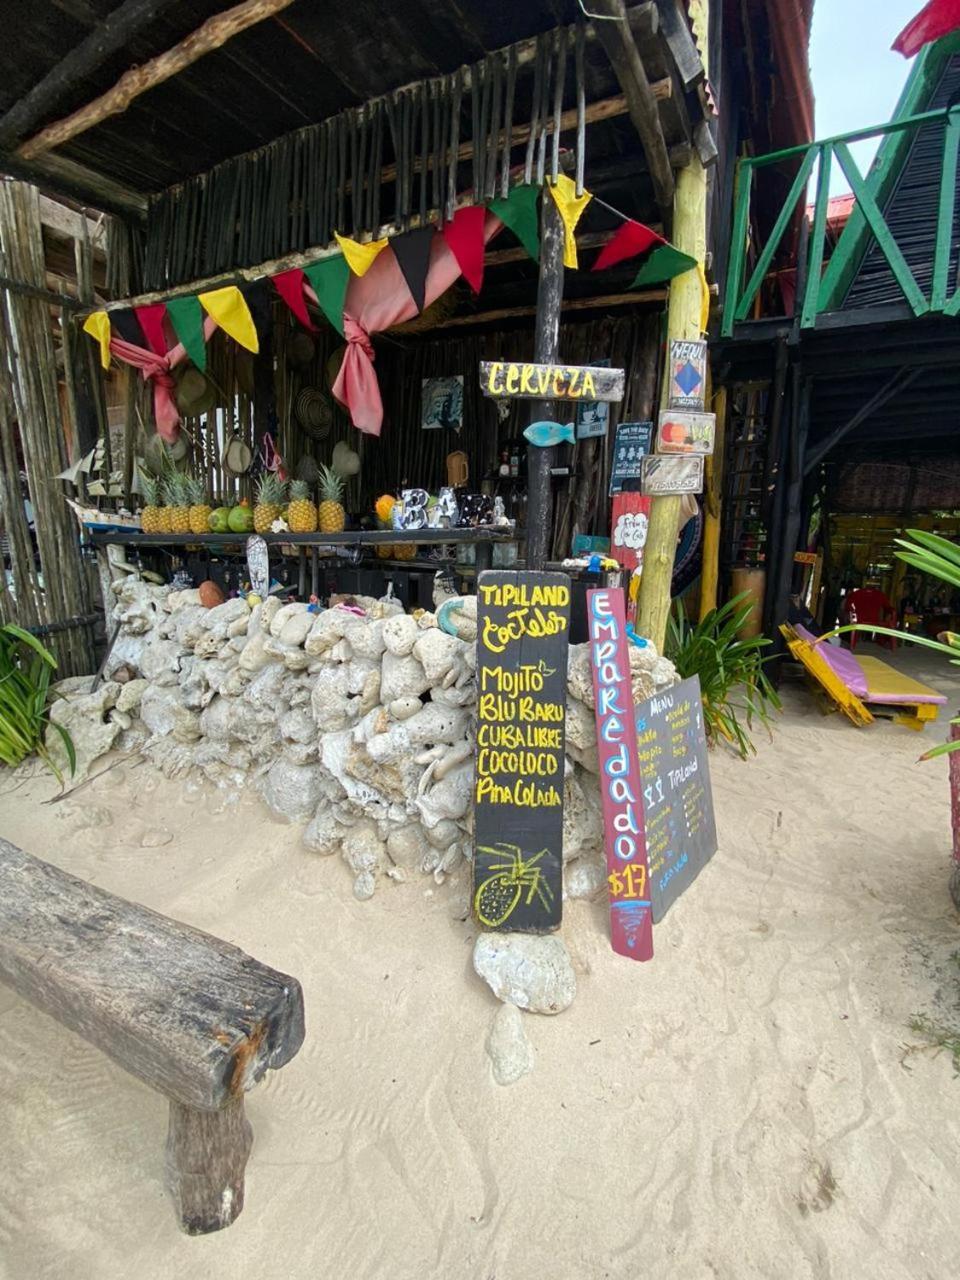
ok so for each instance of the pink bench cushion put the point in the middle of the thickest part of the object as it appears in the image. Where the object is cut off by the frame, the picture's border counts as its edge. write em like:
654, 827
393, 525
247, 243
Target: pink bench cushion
841, 662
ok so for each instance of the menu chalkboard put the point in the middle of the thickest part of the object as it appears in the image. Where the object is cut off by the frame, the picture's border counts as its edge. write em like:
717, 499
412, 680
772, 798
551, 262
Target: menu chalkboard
678, 802
523, 629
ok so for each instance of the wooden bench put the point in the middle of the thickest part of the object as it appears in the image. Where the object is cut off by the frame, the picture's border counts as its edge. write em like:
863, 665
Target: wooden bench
189, 1015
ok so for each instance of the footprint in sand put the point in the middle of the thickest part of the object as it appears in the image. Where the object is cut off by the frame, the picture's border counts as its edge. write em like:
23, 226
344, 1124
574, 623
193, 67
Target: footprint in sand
818, 1189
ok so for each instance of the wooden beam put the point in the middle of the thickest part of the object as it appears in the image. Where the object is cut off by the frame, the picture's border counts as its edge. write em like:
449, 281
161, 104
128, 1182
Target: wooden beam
681, 44
617, 39
65, 177
66, 223
636, 298
211, 35
110, 36
899, 382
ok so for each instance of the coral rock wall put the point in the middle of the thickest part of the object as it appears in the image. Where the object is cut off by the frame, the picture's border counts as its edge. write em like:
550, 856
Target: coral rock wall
361, 727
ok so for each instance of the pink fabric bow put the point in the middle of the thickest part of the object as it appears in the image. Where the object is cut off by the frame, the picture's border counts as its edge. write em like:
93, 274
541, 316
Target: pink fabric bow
377, 301
159, 370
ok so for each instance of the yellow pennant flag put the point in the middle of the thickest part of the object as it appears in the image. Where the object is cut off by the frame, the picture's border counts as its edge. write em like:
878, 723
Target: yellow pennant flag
360, 257
571, 206
704, 299
98, 326
229, 308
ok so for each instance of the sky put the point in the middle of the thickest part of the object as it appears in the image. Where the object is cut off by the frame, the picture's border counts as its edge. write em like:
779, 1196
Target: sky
857, 79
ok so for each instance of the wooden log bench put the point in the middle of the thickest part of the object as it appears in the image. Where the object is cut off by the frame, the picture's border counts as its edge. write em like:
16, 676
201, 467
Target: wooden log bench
191, 1016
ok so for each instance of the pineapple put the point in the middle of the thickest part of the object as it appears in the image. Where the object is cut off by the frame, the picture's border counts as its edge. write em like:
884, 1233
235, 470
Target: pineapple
152, 519
301, 509
331, 514
271, 495
199, 513
405, 550
178, 503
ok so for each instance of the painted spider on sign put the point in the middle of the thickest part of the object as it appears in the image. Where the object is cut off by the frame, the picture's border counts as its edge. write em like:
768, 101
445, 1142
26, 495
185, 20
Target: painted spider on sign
499, 895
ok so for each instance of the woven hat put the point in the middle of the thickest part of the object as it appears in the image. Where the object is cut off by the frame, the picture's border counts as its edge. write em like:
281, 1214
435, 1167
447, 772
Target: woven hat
195, 393
300, 349
314, 413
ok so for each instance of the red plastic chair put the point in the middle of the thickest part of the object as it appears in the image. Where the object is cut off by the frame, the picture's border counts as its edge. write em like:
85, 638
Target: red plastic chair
866, 606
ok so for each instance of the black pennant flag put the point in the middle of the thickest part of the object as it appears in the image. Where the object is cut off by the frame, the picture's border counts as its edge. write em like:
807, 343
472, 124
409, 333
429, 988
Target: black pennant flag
412, 250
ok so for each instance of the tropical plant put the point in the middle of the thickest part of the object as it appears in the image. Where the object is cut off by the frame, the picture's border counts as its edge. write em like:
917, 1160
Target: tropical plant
25, 671
733, 684
940, 558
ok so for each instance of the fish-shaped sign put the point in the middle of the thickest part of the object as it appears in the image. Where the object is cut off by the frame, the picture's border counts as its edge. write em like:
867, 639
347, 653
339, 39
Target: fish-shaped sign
545, 434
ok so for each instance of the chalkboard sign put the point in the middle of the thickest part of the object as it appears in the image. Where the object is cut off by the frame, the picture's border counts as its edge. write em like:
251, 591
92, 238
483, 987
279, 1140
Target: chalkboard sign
678, 802
632, 444
523, 629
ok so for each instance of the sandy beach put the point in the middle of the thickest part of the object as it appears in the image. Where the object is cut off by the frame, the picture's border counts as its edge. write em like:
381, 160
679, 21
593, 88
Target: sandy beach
753, 1103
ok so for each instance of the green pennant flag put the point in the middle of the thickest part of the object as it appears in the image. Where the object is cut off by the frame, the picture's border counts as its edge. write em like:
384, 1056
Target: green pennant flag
330, 278
662, 265
519, 213
186, 316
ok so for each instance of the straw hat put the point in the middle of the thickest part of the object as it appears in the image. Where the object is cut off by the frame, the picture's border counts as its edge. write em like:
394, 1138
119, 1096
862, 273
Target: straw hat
300, 349
195, 393
314, 412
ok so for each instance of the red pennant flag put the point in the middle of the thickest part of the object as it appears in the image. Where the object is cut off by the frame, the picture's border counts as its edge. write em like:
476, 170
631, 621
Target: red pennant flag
631, 239
464, 237
151, 322
937, 19
289, 285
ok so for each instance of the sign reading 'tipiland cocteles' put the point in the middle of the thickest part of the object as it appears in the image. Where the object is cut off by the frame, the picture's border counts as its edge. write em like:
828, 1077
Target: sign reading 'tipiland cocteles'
515, 380
523, 627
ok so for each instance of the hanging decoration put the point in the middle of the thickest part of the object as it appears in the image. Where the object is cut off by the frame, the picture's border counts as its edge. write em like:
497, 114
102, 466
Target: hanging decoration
412, 251
289, 285
519, 213
228, 307
935, 20
464, 237
186, 317
361, 257
98, 326
663, 265
329, 279
150, 319
629, 241
125, 323
570, 207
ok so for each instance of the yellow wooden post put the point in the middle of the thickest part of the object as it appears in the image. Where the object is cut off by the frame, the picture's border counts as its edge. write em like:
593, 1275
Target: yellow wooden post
712, 511
683, 322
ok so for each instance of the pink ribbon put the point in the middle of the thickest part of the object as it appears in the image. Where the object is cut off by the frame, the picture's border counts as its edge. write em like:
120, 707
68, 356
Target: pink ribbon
158, 370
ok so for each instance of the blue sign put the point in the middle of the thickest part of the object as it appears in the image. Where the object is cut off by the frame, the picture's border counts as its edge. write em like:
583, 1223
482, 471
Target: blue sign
633, 442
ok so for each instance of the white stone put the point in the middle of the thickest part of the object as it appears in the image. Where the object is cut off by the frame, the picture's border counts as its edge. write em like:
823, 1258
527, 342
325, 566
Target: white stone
329, 699
529, 970
431, 724
285, 613
400, 634
324, 833
401, 677
163, 712
291, 792
584, 878
255, 656
510, 1052
439, 655
404, 708
160, 661
82, 718
298, 726
365, 638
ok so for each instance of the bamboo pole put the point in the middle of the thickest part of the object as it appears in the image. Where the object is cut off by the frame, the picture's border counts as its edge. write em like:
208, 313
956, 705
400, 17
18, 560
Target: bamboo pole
211, 35
683, 322
713, 510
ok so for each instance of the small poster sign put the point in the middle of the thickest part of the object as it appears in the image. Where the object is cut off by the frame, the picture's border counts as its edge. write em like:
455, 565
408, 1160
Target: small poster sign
688, 374
663, 475
630, 521
682, 432
523, 629
633, 442
621, 788
515, 380
442, 403
593, 416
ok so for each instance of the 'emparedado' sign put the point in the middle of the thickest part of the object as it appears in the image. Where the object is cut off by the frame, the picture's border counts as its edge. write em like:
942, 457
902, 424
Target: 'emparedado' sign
511, 379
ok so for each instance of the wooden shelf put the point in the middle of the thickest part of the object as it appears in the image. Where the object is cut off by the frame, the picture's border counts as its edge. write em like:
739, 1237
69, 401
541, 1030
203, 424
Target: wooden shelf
354, 538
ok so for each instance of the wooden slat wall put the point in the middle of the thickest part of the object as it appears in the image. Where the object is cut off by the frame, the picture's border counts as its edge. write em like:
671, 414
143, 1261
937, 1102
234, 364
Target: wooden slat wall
32, 440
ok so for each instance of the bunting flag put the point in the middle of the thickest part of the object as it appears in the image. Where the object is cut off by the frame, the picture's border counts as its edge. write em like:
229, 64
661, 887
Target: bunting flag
360, 257
98, 326
151, 320
630, 240
186, 316
124, 322
519, 213
464, 237
259, 300
664, 264
329, 278
571, 207
289, 285
412, 251
935, 20
229, 308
